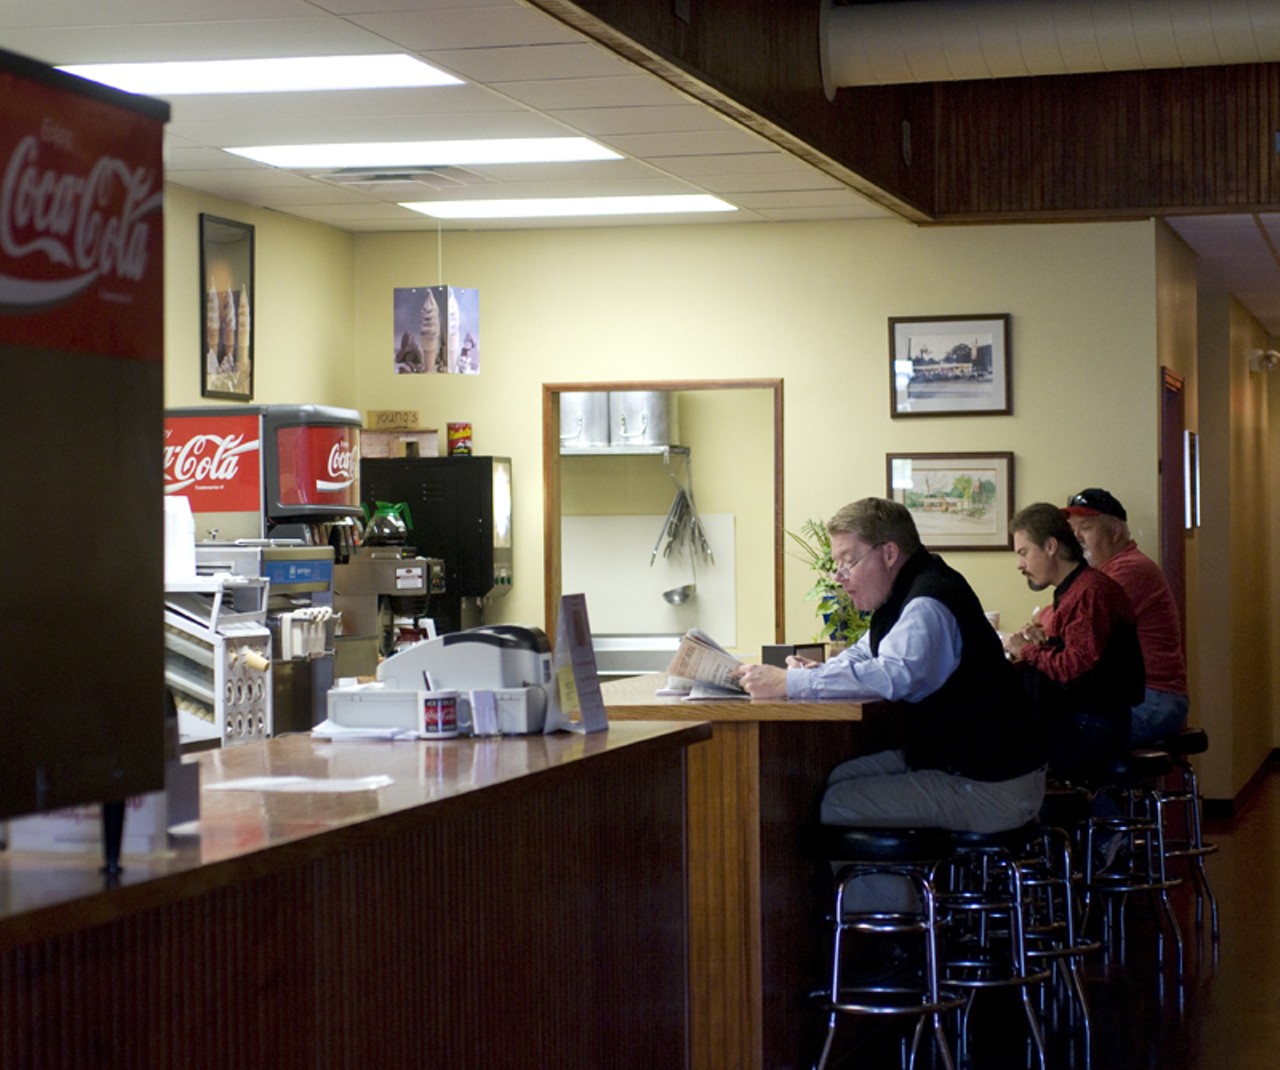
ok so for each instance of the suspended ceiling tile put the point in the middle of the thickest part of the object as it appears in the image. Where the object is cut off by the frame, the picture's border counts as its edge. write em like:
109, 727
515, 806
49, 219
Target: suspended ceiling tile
631, 90
733, 163
782, 183
467, 27
603, 122
493, 66
701, 143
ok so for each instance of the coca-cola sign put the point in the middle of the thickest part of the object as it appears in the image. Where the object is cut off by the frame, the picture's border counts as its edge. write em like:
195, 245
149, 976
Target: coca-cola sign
216, 461
81, 249
318, 464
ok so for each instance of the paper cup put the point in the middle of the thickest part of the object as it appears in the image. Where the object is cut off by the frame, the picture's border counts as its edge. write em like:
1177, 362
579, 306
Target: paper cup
439, 714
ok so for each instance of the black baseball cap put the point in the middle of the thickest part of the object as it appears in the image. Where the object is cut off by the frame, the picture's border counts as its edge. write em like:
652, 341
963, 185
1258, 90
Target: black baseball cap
1094, 501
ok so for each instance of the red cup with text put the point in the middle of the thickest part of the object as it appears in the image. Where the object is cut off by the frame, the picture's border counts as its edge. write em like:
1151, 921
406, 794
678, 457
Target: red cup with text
439, 714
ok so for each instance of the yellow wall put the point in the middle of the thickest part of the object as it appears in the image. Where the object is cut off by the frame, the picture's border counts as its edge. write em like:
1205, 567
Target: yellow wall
1097, 308
303, 309
808, 302
1237, 612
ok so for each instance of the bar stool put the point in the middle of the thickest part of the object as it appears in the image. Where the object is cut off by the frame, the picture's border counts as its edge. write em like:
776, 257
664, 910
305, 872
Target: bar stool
1052, 879
1130, 782
1187, 842
985, 909
908, 854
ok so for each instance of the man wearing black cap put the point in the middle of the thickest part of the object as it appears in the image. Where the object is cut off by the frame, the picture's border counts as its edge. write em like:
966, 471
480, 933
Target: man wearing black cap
1101, 524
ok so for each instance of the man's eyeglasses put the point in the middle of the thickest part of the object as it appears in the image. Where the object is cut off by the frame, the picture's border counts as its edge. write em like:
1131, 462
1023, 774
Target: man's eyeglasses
845, 569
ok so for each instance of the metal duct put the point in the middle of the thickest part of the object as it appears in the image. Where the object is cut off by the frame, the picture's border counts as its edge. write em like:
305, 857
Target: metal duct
945, 40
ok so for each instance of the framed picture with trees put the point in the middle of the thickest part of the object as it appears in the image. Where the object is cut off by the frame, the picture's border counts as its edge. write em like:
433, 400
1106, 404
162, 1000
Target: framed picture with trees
959, 501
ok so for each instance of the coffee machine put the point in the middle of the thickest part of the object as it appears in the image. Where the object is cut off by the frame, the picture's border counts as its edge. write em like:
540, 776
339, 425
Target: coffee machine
460, 510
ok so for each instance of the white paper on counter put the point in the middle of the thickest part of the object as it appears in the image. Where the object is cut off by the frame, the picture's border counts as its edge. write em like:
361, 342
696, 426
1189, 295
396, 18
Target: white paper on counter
302, 784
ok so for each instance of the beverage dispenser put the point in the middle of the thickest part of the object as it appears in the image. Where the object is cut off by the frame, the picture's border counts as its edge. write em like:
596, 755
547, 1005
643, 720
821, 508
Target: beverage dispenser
267, 471
275, 493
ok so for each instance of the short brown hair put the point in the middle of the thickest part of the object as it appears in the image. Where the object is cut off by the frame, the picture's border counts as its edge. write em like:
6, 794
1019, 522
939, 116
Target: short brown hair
877, 521
1042, 522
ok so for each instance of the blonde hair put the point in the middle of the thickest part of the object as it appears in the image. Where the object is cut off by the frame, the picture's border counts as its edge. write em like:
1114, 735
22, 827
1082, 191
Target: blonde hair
877, 521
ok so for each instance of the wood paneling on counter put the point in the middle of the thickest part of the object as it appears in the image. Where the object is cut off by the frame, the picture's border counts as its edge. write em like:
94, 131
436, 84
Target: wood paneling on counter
756, 900
527, 911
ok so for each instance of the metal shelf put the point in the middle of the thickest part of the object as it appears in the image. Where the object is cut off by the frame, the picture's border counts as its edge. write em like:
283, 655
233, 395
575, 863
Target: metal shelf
622, 451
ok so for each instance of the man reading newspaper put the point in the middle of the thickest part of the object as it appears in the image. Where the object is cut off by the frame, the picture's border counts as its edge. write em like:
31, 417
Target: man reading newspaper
973, 758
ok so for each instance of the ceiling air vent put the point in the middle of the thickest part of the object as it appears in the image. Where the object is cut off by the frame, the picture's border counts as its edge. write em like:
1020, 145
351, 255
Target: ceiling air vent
399, 183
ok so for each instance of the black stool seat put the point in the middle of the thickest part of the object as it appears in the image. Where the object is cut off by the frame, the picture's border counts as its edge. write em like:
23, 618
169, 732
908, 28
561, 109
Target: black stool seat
1138, 765
848, 843
1014, 840
1065, 808
1187, 741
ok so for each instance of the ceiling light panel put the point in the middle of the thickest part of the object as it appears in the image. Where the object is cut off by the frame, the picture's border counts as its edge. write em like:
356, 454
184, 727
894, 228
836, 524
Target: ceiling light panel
282, 75
566, 207
429, 153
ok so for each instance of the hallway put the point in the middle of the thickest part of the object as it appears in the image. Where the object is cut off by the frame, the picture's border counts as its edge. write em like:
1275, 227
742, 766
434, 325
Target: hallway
1226, 1016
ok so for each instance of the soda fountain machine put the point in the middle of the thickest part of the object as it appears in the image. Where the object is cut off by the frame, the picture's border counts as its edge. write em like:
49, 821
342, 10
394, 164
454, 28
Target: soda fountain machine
275, 494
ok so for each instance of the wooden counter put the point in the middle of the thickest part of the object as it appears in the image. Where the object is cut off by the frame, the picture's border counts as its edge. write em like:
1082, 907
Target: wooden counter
755, 939
500, 903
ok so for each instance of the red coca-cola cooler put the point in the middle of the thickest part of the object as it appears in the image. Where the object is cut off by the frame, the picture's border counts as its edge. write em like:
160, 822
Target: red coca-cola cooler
264, 471
82, 698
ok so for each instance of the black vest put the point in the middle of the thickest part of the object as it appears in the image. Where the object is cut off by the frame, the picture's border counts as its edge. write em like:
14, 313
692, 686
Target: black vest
979, 724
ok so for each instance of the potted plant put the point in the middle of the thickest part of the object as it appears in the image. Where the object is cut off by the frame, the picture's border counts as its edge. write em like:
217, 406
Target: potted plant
842, 622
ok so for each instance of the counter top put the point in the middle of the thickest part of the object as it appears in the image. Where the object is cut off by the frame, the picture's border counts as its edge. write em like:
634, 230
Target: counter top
344, 793
635, 697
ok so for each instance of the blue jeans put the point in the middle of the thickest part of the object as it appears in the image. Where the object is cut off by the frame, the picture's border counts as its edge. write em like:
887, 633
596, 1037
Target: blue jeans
1160, 714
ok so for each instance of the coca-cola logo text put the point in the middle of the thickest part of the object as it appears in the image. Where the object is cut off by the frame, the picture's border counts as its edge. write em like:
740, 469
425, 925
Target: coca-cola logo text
342, 460
93, 225
204, 459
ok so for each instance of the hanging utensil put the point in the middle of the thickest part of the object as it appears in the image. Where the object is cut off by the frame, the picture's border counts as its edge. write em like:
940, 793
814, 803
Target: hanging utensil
678, 596
665, 530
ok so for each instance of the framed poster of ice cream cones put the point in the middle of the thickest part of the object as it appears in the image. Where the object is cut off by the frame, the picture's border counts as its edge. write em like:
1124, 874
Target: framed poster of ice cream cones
226, 308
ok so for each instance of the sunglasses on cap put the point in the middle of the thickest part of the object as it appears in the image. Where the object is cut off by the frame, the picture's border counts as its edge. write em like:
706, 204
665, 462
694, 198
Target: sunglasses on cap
1099, 501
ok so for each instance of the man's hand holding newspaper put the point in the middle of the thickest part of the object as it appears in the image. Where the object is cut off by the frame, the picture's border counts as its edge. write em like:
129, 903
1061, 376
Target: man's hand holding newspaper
700, 660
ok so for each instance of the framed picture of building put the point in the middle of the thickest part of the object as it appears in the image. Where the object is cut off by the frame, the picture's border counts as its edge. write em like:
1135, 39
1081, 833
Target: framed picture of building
226, 308
954, 366
959, 501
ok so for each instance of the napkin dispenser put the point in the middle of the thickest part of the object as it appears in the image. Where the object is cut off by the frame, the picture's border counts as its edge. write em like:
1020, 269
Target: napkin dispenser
512, 660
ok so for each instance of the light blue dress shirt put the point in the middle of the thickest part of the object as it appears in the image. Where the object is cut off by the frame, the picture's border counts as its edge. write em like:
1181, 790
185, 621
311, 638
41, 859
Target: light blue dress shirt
915, 659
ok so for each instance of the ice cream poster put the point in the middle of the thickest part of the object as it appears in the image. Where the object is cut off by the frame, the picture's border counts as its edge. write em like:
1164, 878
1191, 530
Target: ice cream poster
437, 329
226, 304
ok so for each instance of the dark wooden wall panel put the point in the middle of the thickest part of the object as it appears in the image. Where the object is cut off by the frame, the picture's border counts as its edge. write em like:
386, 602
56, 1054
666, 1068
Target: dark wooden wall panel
1137, 143
1118, 145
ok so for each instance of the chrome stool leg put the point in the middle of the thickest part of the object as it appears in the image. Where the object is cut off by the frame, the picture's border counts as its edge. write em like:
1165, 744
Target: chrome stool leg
918, 993
984, 907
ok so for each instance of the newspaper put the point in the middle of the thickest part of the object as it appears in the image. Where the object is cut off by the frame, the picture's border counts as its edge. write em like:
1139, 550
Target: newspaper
701, 660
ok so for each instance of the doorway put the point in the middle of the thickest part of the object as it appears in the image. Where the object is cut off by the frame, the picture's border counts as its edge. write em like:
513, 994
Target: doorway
553, 518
